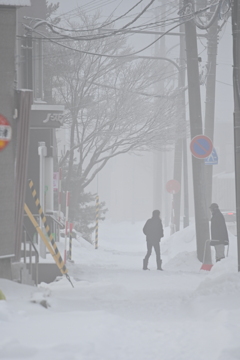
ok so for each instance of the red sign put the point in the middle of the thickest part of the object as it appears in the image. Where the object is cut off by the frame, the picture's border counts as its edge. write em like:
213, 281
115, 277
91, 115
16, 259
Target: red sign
201, 146
173, 186
5, 132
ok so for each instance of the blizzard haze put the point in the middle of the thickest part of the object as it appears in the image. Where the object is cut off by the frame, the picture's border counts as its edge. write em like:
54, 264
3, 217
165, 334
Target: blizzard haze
130, 184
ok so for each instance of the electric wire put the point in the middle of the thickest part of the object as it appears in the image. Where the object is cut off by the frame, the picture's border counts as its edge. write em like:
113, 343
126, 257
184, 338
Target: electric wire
95, 37
112, 56
113, 32
215, 15
111, 22
52, 26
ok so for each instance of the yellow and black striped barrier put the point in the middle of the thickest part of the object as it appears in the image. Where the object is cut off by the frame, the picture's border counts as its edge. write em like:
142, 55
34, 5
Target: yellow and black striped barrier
97, 218
55, 252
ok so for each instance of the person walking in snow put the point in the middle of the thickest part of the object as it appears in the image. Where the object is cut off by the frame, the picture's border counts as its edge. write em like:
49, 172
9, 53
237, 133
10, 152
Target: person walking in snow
153, 230
219, 233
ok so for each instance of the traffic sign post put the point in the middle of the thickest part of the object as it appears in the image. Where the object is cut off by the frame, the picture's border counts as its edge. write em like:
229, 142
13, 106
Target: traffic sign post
5, 132
173, 186
212, 159
201, 146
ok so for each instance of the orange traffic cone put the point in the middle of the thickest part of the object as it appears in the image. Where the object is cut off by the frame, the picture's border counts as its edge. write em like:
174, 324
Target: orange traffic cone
206, 265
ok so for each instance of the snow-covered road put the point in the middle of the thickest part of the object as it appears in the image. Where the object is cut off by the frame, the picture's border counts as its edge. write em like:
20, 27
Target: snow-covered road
117, 311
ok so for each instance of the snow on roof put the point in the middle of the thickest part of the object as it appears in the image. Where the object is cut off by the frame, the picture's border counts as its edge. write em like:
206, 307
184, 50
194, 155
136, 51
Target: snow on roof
15, 2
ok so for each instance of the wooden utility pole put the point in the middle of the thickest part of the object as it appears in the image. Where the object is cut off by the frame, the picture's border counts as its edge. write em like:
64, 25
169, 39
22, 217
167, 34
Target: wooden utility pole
180, 153
198, 166
236, 87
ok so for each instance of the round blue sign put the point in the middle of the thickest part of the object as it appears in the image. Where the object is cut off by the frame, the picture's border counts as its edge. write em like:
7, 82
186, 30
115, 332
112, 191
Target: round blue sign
201, 146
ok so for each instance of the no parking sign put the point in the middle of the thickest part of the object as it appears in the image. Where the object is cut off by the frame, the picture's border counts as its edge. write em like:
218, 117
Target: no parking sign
5, 132
201, 146
173, 186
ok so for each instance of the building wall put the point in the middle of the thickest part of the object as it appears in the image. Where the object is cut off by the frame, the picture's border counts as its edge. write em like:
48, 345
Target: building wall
36, 10
7, 73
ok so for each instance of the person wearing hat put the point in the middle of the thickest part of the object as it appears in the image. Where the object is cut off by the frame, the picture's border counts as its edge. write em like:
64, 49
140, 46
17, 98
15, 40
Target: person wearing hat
219, 233
153, 230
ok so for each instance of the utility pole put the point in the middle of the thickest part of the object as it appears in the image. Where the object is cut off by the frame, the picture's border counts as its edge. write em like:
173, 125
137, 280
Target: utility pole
212, 38
198, 166
182, 74
236, 84
180, 153
158, 156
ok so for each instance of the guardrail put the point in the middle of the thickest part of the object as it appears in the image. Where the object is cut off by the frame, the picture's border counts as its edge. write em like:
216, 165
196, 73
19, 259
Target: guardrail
29, 254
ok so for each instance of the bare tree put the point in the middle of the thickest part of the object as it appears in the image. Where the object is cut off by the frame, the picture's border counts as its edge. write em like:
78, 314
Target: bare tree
111, 105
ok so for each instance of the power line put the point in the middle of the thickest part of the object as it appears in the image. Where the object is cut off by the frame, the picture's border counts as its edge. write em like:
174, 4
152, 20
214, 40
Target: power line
120, 17
52, 26
114, 32
96, 37
106, 55
221, 82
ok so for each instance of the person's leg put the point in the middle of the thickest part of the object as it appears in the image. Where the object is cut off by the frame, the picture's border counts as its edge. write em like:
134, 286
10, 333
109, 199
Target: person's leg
158, 257
145, 260
219, 252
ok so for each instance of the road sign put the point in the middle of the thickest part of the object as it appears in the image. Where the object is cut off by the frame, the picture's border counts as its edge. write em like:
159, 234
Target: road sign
173, 186
201, 146
212, 159
5, 132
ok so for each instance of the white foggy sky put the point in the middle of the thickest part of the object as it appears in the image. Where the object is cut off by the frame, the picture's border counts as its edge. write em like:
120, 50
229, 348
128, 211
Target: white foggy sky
224, 92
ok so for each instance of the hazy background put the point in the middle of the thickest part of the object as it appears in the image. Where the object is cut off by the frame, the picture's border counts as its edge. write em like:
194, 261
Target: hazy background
127, 182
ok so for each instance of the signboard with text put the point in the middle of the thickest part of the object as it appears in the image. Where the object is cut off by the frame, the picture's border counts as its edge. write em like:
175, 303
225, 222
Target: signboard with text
44, 116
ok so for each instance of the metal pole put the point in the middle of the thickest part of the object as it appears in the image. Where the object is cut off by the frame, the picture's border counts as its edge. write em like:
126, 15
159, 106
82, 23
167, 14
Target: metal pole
66, 226
59, 199
236, 87
212, 37
42, 152
30, 257
37, 262
70, 241
25, 241
97, 217
29, 61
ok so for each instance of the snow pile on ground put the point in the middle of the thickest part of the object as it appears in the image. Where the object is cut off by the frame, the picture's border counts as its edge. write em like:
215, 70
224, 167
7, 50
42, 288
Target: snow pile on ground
117, 311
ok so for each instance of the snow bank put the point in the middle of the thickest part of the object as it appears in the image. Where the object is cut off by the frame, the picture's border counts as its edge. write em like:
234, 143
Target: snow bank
117, 311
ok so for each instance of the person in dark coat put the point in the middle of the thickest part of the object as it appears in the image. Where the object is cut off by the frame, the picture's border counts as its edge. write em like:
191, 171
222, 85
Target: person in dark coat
153, 230
219, 233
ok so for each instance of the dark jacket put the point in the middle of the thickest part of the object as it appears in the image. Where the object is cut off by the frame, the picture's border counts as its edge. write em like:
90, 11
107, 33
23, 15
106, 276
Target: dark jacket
153, 230
218, 227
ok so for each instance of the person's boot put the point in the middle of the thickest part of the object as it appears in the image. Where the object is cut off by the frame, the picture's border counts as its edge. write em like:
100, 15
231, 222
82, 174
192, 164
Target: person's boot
160, 266
145, 265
